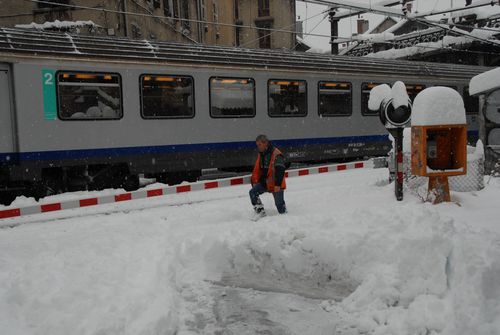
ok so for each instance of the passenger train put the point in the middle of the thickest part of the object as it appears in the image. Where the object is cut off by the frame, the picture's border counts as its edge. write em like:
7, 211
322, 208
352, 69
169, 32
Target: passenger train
82, 112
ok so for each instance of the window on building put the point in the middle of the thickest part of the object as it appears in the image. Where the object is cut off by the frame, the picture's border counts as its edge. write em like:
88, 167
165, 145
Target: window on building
232, 97
287, 98
167, 8
264, 9
265, 36
167, 97
185, 14
89, 96
52, 3
335, 99
471, 102
175, 8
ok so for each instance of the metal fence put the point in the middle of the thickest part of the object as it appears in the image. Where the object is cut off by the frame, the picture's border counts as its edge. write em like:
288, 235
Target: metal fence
472, 181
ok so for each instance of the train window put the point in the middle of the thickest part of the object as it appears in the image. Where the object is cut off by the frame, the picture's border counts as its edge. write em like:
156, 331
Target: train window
287, 98
335, 99
471, 102
414, 90
167, 97
365, 96
89, 96
232, 97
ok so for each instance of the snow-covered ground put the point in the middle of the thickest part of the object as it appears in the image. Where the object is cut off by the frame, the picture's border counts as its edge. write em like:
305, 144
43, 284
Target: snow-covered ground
347, 259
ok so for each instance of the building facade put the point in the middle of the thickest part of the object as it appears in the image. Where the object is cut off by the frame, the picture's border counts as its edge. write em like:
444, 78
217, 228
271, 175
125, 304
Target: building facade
244, 23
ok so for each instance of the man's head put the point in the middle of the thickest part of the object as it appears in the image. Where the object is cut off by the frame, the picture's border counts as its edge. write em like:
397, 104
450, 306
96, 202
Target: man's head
262, 143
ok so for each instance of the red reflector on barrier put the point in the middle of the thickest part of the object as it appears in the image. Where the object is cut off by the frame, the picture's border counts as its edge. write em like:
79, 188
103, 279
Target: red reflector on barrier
50, 207
303, 172
10, 213
123, 197
154, 193
341, 167
183, 188
88, 202
323, 169
211, 184
286, 174
359, 165
237, 181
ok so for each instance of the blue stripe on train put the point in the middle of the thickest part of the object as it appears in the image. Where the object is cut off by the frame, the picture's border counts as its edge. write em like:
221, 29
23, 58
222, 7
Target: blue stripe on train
162, 149
131, 151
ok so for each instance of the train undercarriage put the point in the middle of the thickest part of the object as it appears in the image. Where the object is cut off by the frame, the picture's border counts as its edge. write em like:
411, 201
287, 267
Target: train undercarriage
58, 180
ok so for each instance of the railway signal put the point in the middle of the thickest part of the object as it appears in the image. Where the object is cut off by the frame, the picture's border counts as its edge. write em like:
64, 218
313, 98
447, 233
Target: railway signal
394, 108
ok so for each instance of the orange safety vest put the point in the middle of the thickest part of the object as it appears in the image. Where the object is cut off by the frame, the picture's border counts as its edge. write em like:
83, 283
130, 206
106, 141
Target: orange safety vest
257, 172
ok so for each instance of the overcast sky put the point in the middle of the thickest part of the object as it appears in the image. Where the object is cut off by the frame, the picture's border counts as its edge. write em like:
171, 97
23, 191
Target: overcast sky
321, 25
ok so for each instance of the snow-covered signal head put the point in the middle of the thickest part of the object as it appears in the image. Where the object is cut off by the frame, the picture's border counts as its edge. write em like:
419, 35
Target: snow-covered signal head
394, 105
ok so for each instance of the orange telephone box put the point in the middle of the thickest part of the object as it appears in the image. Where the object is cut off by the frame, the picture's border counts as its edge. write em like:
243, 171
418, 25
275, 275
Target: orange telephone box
439, 151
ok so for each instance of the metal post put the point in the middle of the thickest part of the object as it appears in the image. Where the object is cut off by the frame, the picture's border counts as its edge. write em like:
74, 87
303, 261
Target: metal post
334, 28
398, 150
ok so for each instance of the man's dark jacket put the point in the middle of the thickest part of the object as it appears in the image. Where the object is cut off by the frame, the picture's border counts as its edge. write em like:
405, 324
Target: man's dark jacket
279, 166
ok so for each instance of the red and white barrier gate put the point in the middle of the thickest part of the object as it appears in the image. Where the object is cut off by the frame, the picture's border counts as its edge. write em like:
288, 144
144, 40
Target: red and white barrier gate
167, 190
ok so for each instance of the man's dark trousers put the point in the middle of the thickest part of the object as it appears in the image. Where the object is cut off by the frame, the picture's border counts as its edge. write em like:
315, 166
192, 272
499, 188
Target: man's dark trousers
279, 197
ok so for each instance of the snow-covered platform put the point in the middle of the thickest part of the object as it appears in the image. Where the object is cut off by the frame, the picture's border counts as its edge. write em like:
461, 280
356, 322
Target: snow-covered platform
347, 259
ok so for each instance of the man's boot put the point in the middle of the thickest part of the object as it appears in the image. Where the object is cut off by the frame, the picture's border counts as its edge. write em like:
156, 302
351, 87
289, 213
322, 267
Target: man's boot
259, 212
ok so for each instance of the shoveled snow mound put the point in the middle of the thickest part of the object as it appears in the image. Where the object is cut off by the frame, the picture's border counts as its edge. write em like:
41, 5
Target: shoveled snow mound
485, 82
438, 106
374, 265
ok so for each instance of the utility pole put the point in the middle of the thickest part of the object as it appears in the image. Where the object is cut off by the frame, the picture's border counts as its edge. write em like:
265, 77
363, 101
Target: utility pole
334, 29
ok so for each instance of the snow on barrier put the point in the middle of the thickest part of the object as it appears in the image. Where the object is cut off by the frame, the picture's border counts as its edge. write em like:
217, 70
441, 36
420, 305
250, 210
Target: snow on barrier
168, 190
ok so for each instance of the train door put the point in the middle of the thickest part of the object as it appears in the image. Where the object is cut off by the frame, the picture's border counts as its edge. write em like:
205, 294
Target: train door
6, 126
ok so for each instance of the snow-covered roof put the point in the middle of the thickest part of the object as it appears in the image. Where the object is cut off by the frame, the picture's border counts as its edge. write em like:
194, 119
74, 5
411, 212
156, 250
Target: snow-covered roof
446, 42
57, 25
485, 82
375, 27
482, 13
438, 106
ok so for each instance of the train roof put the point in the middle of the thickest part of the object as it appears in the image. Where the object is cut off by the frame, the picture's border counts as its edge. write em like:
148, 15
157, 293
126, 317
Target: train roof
36, 42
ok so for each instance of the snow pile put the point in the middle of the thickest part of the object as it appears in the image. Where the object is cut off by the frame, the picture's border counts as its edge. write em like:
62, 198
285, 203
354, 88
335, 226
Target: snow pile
438, 106
399, 95
485, 82
377, 96
57, 25
347, 259
96, 280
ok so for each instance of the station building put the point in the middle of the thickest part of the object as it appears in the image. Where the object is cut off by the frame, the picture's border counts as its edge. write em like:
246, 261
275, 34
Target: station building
213, 22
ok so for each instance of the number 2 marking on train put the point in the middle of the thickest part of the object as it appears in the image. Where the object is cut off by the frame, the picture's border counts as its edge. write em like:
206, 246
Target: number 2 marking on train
49, 78
49, 94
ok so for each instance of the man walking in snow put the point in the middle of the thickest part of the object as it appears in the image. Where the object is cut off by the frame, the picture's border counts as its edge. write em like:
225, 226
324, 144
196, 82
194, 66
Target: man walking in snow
268, 176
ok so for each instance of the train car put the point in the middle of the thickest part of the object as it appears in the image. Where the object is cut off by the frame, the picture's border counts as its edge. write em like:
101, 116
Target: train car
80, 112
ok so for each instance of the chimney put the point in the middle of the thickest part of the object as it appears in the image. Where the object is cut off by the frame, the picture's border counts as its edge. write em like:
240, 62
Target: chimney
409, 6
363, 26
